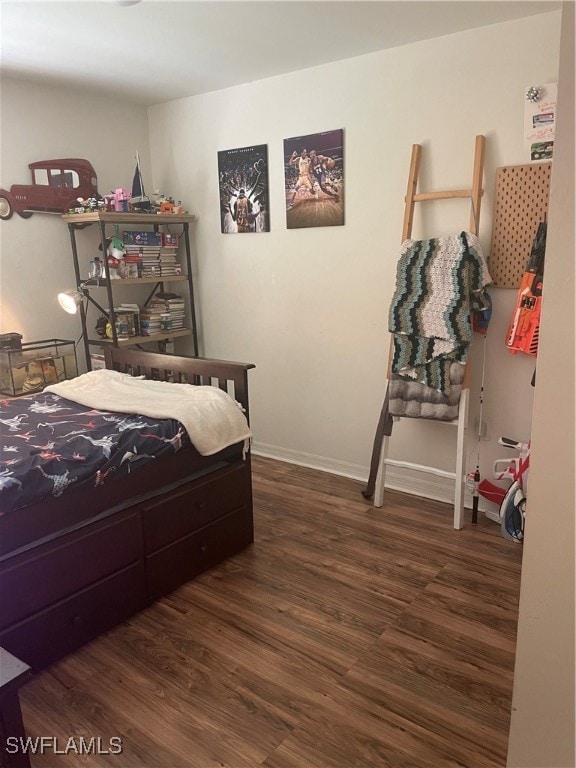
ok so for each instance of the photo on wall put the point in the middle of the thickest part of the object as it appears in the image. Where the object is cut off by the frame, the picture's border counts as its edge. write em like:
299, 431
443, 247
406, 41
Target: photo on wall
243, 180
314, 180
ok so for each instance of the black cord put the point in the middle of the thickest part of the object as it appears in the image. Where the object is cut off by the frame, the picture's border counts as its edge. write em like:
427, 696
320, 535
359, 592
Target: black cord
475, 497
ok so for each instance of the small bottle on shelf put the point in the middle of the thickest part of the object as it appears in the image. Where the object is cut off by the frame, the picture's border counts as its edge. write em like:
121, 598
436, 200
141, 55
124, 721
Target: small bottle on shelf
95, 268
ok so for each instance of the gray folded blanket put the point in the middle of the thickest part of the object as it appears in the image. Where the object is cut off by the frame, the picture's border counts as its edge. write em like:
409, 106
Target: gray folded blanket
412, 399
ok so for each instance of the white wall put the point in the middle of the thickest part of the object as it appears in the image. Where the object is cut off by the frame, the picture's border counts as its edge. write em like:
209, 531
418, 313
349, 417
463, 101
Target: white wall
41, 123
309, 307
542, 731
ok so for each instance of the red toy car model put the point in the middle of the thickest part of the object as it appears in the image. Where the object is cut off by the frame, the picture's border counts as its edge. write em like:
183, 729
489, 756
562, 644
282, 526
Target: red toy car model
56, 186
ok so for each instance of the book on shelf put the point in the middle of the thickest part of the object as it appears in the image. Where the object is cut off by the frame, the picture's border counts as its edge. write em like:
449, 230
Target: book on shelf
167, 296
136, 248
142, 238
150, 249
163, 301
131, 315
153, 253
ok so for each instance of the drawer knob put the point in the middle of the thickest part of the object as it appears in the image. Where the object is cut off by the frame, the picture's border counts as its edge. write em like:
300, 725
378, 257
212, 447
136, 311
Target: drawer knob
77, 621
204, 548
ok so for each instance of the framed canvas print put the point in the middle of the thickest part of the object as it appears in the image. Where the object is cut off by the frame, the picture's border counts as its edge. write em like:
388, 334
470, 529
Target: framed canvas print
314, 180
243, 184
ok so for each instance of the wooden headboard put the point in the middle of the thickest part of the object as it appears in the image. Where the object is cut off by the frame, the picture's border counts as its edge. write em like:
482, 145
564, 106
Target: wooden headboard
229, 376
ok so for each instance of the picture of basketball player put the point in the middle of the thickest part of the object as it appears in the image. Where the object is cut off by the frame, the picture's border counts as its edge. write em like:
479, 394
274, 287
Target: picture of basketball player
242, 212
314, 180
320, 165
304, 179
243, 181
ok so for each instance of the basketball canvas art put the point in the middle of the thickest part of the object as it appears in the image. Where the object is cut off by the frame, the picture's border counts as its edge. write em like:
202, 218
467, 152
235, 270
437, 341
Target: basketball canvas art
243, 180
314, 180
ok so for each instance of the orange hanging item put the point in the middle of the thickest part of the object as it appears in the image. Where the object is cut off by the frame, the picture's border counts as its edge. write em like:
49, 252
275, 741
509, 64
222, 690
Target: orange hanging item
524, 329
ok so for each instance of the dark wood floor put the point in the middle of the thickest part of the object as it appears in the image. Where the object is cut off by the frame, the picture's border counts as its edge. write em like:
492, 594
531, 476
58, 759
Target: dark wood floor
346, 636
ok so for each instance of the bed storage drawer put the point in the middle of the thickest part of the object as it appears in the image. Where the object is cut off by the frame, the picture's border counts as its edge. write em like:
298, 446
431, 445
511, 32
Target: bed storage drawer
65, 626
183, 560
194, 506
48, 573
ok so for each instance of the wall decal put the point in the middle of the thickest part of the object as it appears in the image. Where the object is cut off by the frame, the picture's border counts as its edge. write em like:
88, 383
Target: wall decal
55, 187
314, 180
243, 180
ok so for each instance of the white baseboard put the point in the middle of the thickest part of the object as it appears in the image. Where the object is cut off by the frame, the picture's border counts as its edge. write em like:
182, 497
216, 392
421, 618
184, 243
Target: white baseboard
417, 480
311, 460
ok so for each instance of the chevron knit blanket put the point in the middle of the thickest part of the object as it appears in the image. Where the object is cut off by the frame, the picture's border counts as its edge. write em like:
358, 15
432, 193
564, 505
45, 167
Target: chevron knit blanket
439, 282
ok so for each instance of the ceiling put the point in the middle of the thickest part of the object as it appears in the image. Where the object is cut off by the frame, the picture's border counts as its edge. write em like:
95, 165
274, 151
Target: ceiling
154, 51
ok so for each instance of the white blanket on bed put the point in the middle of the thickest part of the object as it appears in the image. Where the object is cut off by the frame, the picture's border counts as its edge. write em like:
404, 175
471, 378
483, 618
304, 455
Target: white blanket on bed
211, 417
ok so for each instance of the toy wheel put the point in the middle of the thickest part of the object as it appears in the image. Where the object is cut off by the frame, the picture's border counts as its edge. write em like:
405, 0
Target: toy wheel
512, 513
5, 206
25, 214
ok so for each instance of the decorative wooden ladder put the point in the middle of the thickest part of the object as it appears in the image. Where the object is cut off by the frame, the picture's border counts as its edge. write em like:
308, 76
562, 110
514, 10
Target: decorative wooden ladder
375, 487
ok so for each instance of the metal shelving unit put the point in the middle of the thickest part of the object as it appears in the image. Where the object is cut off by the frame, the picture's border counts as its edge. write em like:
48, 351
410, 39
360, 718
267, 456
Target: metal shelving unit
78, 221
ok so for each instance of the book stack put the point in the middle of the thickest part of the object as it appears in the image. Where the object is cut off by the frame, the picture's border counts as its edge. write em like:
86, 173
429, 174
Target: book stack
149, 255
157, 252
164, 312
169, 266
175, 308
150, 321
156, 261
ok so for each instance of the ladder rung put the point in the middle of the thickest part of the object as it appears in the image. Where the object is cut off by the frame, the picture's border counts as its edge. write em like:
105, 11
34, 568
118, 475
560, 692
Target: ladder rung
442, 195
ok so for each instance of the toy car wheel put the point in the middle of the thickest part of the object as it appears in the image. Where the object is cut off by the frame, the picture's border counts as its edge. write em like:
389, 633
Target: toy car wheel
25, 214
6, 210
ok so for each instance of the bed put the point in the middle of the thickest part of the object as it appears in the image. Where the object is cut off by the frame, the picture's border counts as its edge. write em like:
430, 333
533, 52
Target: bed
82, 559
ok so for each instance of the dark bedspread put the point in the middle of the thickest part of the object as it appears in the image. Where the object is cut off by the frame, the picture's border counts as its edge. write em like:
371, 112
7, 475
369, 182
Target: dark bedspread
49, 443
